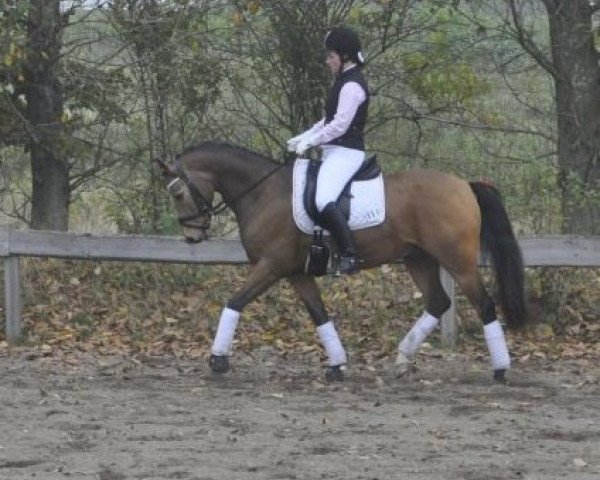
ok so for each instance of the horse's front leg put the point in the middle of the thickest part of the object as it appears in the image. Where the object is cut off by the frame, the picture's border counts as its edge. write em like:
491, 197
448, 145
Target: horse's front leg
261, 277
307, 289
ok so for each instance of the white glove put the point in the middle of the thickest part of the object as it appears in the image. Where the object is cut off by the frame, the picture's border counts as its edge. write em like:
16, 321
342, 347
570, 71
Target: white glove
293, 142
304, 144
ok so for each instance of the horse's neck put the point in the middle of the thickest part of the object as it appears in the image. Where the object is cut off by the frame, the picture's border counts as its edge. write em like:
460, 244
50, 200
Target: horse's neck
238, 177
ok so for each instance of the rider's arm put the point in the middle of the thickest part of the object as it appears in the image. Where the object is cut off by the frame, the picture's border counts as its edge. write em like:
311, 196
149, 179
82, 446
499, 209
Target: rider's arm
293, 142
351, 96
315, 128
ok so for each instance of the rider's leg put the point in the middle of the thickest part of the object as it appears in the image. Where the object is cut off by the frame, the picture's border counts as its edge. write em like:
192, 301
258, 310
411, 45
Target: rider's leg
339, 165
333, 220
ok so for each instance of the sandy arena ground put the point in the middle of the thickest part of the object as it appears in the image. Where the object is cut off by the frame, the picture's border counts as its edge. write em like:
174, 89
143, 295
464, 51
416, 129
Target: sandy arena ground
273, 418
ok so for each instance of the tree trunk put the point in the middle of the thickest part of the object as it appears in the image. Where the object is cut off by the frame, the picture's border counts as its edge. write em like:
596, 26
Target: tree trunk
44, 95
577, 83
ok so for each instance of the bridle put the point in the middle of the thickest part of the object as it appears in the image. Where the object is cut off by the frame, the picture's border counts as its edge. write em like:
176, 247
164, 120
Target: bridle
203, 205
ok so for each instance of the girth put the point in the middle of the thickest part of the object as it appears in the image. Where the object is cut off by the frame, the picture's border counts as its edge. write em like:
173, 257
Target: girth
368, 171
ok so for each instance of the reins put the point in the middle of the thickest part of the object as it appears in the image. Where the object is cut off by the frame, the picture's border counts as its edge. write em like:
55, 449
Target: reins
206, 207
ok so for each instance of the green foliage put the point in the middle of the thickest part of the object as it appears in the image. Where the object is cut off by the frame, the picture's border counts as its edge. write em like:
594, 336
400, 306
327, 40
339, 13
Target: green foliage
12, 56
445, 85
438, 73
133, 212
581, 203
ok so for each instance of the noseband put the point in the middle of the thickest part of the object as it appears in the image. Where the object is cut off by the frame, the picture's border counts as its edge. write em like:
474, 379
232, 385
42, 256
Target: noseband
203, 206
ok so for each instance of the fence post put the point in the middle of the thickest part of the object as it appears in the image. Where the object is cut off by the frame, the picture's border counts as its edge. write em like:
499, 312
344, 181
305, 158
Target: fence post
449, 318
12, 292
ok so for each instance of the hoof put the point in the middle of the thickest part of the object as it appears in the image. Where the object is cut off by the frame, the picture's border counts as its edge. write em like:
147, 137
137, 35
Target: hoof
404, 365
219, 363
402, 359
334, 374
499, 375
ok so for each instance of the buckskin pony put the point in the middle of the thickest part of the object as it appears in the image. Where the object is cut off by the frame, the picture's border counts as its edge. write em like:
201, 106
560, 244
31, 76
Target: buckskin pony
433, 219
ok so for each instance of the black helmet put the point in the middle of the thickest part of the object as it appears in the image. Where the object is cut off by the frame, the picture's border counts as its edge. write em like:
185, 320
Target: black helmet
345, 42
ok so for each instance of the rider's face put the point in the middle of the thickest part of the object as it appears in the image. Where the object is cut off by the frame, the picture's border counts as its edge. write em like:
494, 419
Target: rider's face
333, 61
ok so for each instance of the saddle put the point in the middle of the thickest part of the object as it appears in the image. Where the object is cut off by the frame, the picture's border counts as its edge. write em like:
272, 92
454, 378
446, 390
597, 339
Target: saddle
368, 171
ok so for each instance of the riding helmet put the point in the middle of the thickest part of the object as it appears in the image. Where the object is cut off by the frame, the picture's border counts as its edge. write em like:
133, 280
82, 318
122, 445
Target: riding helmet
345, 42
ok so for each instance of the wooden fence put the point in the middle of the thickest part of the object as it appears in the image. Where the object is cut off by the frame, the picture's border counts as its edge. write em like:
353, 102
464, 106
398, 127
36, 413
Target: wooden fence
553, 251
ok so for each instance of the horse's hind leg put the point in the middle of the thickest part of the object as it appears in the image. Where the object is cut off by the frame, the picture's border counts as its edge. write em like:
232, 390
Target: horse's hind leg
425, 271
469, 280
307, 289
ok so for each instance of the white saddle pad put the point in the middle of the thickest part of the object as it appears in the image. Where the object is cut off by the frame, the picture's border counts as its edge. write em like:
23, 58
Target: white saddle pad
367, 205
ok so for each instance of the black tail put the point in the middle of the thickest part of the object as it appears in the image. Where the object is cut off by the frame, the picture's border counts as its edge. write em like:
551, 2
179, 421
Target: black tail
498, 239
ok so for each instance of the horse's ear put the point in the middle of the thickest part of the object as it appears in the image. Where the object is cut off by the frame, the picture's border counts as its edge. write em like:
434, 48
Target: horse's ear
165, 168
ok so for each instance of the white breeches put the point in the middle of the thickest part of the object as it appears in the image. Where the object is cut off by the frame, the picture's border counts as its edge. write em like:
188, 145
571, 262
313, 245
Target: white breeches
339, 165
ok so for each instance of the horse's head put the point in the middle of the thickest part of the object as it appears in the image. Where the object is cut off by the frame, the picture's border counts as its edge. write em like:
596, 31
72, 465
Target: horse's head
192, 198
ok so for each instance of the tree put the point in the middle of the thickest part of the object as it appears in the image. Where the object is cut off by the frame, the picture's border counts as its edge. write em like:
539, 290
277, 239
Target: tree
76, 84
45, 84
12, 121
171, 80
279, 79
574, 67
45, 100
275, 74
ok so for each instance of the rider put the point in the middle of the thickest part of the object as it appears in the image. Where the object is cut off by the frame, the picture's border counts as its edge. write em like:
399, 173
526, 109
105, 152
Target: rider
340, 134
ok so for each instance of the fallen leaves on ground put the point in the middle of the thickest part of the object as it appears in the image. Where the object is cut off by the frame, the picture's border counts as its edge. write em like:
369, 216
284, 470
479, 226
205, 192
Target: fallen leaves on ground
156, 309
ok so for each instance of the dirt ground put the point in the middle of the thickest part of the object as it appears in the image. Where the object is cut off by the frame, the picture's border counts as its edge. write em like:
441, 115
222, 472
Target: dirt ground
114, 418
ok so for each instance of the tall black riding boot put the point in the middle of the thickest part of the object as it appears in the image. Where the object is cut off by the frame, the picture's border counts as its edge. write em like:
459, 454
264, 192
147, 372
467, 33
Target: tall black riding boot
333, 220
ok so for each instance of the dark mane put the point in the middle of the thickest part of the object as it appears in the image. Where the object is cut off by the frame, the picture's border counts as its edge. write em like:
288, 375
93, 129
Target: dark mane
210, 145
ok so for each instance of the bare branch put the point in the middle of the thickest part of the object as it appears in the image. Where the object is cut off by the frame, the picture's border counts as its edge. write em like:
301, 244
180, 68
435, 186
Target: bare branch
525, 40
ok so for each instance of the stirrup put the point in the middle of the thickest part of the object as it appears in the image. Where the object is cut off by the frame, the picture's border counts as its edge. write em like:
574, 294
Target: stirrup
348, 264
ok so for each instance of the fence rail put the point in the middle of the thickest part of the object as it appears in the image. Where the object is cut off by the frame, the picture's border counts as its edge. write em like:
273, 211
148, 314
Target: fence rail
555, 251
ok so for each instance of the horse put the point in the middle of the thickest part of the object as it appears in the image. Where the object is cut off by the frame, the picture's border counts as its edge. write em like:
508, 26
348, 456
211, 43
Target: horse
432, 220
